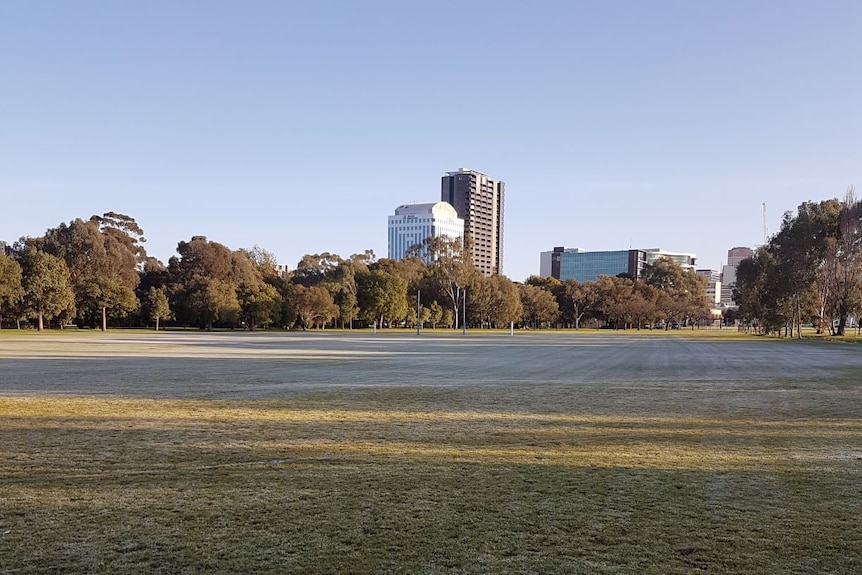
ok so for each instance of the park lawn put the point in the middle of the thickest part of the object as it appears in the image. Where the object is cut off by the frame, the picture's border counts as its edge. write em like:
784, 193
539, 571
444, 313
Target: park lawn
420, 480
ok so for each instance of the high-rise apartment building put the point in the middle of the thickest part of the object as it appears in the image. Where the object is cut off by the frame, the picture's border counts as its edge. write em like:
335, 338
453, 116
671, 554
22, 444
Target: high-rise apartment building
412, 224
479, 201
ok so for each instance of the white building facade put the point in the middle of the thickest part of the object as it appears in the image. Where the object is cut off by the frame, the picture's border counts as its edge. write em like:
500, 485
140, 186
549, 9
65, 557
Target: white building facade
413, 223
713, 286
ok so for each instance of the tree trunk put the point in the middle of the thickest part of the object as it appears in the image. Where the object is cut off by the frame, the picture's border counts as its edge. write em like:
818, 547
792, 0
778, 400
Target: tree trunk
455, 306
842, 324
41, 324
104, 319
157, 323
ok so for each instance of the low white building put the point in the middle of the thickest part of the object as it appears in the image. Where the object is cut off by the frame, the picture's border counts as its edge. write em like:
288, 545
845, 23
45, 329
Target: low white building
283, 270
413, 223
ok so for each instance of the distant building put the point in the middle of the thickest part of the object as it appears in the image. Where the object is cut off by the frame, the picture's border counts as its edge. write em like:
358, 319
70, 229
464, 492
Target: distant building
713, 285
413, 223
584, 266
479, 201
283, 270
684, 260
574, 263
736, 255
728, 273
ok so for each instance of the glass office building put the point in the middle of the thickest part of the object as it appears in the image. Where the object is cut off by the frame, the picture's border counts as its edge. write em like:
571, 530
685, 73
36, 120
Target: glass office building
574, 263
588, 266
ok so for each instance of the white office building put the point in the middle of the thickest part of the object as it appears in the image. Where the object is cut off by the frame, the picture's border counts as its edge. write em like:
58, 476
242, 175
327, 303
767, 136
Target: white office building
713, 285
413, 223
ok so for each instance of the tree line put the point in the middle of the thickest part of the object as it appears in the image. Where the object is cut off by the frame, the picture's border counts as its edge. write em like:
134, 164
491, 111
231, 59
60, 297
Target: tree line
96, 273
810, 272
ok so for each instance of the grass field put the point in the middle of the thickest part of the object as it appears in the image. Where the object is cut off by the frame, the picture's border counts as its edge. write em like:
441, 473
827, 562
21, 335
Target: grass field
132, 452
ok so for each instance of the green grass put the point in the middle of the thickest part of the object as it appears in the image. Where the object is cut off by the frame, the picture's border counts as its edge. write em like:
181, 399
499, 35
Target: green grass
609, 458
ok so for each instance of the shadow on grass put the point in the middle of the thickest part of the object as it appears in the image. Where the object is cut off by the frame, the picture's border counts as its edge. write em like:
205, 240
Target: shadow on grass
371, 515
98, 484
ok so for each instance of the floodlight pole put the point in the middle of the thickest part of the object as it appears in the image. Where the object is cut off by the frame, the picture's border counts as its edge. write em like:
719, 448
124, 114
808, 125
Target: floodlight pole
418, 325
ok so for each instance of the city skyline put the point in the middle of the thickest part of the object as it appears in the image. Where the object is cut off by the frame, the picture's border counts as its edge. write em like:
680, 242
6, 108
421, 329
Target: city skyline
213, 121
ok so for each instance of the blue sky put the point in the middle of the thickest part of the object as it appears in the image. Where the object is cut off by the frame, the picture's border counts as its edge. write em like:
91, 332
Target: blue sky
300, 126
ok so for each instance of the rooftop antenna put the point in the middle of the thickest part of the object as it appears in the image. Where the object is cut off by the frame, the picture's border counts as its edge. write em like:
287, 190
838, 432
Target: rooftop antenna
765, 231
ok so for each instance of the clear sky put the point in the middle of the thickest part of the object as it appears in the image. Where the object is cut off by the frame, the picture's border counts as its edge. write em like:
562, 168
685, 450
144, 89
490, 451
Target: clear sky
301, 125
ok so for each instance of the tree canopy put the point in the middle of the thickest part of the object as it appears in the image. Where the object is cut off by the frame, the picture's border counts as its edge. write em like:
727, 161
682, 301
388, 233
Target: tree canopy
809, 272
11, 290
45, 281
96, 272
